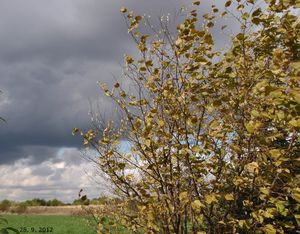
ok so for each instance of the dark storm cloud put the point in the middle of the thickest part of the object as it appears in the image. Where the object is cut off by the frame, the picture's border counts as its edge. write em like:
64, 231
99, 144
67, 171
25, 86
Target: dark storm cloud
52, 53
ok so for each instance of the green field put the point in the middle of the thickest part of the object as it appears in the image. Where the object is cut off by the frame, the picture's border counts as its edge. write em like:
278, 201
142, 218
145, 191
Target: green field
51, 224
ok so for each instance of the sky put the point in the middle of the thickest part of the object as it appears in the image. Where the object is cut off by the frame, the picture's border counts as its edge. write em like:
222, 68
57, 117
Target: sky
52, 53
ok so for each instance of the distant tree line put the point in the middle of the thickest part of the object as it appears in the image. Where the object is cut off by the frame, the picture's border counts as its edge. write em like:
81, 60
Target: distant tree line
6, 205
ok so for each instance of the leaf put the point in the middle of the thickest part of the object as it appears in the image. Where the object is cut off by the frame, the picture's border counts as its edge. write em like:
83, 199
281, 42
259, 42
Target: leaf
229, 197
137, 124
13, 229
242, 223
148, 143
296, 194
138, 18
128, 59
211, 198
197, 3
117, 85
196, 149
275, 153
178, 41
3, 220
297, 217
196, 205
250, 127
183, 196
264, 190
123, 10
228, 3
4, 231
74, 131
295, 122
210, 24
161, 123
252, 167
240, 36
269, 229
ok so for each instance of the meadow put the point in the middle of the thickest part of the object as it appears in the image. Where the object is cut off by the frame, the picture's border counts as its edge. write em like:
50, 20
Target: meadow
55, 224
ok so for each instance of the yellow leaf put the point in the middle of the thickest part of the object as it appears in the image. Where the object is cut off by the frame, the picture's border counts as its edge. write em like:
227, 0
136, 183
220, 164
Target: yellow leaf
210, 198
297, 217
229, 197
252, 167
296, 96
242, 223
122, 93
196, 205
269, 229
148, 142
250, 127
183, 196
128, 59
196, 148
295, 122
264, 191
275, 153
160, 123
296, 194
137, 124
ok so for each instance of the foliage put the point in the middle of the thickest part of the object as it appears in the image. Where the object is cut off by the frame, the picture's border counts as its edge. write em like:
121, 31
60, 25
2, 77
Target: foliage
6, 229
5, 205
43, 202
19, 208
215, 136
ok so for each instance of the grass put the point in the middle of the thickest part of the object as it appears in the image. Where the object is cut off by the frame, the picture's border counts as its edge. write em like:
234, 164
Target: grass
53, 224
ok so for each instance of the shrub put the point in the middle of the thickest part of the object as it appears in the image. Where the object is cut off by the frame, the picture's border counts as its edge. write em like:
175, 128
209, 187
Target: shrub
214, 135
5, 205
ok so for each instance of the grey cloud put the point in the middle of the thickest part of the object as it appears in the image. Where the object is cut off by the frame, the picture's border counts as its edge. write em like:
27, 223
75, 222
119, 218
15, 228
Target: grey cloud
52, 53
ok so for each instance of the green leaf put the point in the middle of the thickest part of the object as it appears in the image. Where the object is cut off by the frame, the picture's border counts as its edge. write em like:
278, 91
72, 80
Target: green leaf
4, 231
13, 229
3, 220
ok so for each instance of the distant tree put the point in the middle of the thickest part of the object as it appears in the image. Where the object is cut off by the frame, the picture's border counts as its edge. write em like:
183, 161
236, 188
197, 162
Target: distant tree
55, 202
5, 205
214, 135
